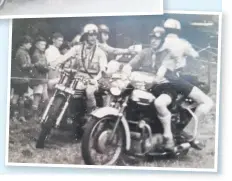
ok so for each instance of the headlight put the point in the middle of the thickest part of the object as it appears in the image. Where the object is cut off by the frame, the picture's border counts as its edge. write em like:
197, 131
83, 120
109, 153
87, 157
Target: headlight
115, 91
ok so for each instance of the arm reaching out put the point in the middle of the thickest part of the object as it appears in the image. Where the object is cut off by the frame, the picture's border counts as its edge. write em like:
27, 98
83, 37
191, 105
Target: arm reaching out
111, 50
190, 51
63, 58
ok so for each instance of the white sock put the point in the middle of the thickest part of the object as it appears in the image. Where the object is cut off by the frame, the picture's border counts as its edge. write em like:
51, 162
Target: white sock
166, 122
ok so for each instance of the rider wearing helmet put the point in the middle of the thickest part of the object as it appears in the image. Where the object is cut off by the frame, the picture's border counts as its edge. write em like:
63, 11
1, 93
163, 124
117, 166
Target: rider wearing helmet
146, 60
150, 60
91, 61
175, 59
104, 32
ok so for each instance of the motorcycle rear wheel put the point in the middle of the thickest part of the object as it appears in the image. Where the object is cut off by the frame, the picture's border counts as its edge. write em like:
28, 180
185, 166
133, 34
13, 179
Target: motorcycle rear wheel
47, 126
100, 141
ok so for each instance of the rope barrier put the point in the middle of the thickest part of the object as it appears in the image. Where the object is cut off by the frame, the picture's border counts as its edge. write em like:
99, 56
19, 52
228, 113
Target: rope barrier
206, 49
23, 78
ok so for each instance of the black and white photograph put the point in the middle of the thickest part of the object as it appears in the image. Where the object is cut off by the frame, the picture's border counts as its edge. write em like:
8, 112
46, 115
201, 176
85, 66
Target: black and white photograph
127, 92
47, 8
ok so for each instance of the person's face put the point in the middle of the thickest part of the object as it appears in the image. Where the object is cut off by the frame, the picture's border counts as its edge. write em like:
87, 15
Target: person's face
41, 45
155, 42
105, 37
58, 42
28, 46
92, 38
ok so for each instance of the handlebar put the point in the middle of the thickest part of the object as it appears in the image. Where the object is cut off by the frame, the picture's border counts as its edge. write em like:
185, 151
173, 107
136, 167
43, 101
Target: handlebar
66, 70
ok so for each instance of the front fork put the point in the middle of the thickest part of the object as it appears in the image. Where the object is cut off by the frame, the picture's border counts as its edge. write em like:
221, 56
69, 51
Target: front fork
61, 115
59, 119
120, 115
50, 103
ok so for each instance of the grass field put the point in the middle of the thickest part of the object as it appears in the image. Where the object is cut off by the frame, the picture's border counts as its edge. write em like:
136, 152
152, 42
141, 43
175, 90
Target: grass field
61, 150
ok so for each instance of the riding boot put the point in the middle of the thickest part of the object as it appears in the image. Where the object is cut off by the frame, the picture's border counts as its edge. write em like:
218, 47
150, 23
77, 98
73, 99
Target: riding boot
91, 105
169, 143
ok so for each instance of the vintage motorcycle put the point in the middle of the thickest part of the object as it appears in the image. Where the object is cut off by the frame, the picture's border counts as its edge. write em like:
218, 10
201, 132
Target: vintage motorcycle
129, 127
2, 3
67, 102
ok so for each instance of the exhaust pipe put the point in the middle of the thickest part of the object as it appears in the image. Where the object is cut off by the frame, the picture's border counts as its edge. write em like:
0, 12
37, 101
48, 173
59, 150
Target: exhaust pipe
182, 147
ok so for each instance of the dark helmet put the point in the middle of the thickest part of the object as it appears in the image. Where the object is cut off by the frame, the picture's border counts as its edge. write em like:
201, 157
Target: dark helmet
158, 32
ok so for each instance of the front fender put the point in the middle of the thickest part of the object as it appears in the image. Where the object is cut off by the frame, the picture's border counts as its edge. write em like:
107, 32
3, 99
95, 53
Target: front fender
105, 111
110, 111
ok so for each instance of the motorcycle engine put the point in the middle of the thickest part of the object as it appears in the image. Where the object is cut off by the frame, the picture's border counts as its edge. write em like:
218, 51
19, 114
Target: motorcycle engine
143, 140
141, 146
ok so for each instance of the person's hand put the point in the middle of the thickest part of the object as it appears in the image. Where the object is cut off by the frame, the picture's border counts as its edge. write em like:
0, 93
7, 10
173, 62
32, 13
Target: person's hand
132, 52
151, 84
93, 82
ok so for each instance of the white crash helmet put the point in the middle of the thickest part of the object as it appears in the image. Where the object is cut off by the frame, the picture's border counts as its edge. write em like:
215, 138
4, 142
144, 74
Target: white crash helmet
103, 28
172, 24
90, 28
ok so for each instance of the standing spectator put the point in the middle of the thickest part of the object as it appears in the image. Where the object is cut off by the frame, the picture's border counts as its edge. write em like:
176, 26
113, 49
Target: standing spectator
40, 72
52, 53
21, 69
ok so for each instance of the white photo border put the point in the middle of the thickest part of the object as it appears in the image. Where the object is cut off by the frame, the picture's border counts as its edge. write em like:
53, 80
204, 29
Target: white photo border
160, 12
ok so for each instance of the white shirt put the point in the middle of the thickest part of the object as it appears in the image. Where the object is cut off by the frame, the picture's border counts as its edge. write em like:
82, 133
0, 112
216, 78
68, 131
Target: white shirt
178, 49
52, 53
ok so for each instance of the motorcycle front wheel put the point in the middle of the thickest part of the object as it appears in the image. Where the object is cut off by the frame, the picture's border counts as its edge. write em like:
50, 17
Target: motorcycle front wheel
53, 113
97, 147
